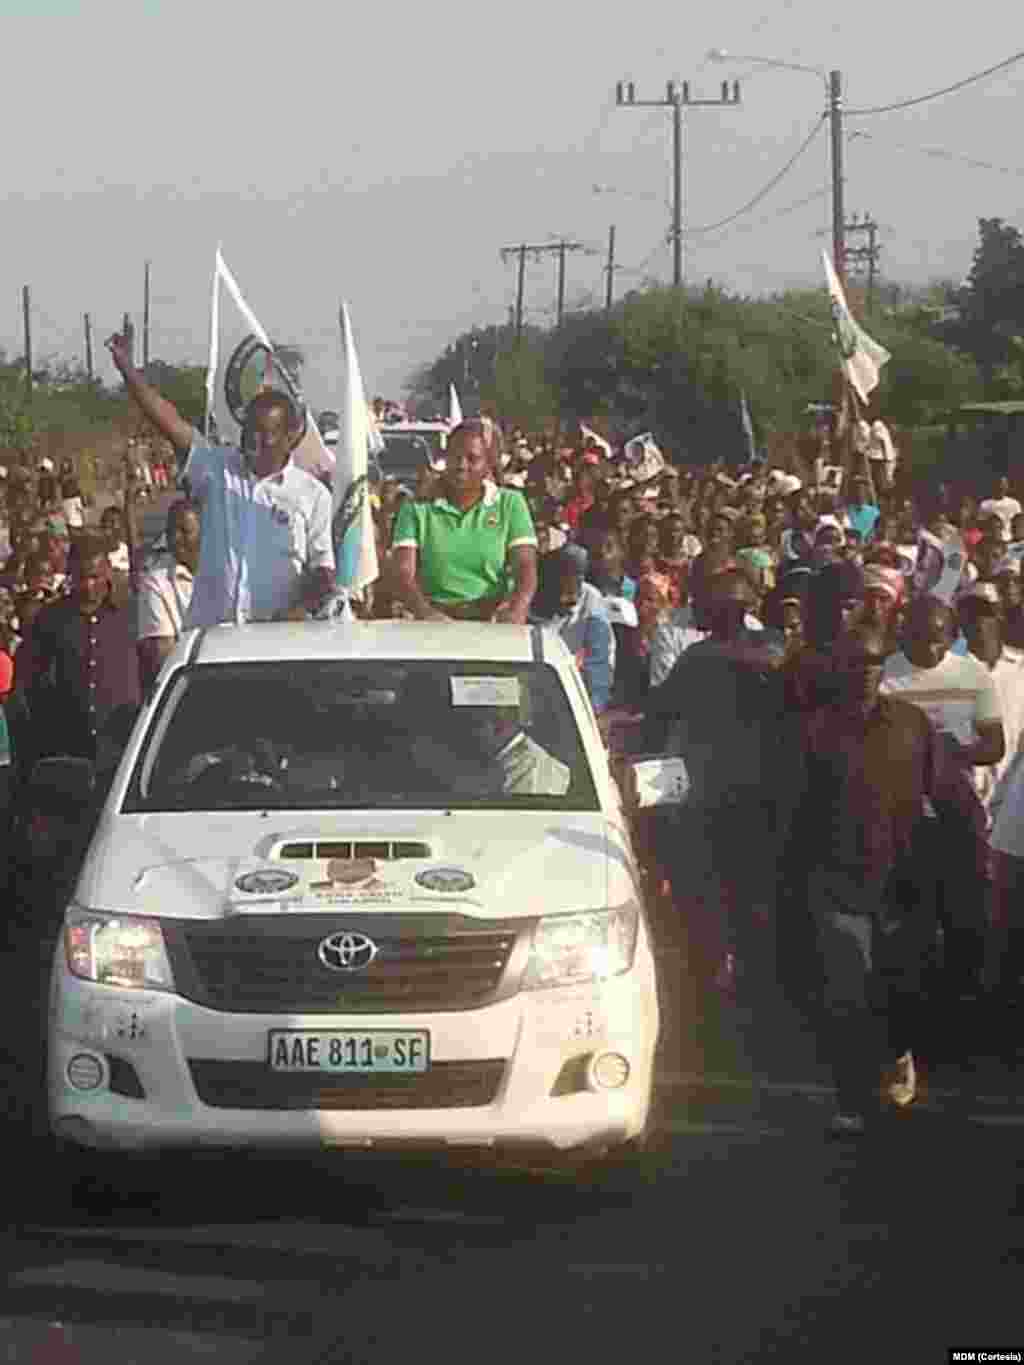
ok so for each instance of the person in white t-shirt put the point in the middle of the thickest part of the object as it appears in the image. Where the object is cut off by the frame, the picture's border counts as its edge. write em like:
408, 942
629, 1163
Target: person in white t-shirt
1001, 505
165, 591
883, 455
956, 691
961, 699
981, 616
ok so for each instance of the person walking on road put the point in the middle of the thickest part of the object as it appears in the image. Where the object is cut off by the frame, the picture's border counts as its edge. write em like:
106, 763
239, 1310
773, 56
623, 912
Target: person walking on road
958, 693
267, 550
721, 708
870, 763
77, 665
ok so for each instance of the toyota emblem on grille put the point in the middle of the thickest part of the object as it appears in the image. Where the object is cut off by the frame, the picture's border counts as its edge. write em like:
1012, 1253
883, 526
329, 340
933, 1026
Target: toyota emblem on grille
347, 952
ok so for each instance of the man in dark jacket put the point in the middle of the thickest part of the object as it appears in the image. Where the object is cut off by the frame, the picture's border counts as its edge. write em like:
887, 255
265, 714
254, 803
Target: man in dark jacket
78, 664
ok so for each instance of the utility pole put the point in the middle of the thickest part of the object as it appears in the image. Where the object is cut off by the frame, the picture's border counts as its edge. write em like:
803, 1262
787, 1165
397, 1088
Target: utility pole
145, 324
868, 255
88, 347
676, 98
26, 308
128, 330
519, 294
835, 114
561, 284
537, 251
609, 270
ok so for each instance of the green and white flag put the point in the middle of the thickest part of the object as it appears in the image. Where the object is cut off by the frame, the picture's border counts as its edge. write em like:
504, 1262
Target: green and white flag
862, 356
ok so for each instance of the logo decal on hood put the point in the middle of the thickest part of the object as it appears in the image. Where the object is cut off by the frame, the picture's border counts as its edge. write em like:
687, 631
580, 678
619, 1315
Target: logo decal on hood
268, 881
448, 879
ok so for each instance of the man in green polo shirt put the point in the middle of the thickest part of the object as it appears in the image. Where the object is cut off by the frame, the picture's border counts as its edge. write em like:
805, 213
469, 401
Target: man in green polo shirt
470, 553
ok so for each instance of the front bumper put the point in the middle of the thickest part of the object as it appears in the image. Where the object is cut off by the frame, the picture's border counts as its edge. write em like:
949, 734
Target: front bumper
541, 1039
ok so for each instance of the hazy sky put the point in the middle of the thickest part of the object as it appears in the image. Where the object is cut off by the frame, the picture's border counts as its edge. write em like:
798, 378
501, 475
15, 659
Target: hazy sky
384, 153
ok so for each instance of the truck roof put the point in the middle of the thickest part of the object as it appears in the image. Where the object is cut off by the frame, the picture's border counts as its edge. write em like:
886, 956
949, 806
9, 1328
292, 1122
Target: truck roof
323, 640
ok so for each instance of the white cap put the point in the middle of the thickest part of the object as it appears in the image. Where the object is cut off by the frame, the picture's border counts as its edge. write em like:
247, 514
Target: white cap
47, 465
621, 611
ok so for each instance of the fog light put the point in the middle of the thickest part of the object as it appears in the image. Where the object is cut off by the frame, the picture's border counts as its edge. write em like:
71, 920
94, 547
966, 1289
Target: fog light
608, 1071
85, 1072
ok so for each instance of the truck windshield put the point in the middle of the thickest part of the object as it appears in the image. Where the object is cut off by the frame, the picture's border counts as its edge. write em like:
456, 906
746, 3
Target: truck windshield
362, 735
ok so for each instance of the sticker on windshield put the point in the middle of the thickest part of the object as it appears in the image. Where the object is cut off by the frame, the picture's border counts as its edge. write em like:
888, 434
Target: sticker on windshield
485, 691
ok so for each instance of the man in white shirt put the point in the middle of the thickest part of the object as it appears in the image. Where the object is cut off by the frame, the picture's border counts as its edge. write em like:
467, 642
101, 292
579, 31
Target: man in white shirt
981, 615
961, 699
267, 550
1001, 505
956, 691
165, 591
883, 456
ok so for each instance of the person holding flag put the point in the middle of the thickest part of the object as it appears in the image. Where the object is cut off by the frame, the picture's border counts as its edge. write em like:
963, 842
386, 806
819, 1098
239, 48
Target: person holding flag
266, 551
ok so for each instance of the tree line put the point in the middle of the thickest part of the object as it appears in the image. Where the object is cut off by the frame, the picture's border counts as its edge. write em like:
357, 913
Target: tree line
678, 362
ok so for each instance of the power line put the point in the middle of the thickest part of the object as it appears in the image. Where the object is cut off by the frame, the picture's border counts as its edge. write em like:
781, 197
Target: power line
803, 203
641, 269
937, 94
763, 193
943, 154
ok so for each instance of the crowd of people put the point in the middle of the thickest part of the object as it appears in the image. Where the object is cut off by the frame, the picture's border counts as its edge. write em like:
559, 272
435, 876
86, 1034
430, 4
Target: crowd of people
838, 662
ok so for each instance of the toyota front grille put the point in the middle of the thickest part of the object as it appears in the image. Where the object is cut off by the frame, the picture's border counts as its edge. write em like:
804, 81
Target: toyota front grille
272, 965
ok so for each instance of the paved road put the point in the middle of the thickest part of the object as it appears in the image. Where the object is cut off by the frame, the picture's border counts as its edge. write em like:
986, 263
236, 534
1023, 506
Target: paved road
742, 1235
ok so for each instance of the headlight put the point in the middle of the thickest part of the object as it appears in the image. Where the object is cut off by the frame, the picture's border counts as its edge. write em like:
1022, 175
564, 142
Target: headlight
568, 949
117, 950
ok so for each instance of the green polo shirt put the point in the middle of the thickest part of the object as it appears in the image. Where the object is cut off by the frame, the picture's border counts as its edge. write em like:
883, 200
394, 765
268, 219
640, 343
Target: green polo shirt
462, 555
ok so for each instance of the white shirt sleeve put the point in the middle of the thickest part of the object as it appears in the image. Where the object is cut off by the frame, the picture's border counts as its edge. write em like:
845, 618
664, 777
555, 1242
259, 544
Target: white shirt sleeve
665, 652
319, 542
989, 706
154, 620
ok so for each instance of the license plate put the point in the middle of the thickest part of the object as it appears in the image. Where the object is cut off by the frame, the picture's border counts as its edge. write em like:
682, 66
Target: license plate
388, 1051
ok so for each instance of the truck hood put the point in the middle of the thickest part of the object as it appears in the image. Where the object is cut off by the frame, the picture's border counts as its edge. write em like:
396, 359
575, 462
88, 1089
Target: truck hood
508, 864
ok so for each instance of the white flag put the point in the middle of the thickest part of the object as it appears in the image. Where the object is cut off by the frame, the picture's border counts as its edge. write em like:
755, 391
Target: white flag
454, 407
355, 541
311, 453
863, 357
643, 458
231, 285
592, 438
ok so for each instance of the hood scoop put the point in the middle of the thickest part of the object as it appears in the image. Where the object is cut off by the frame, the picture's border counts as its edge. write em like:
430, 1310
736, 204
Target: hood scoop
385, 850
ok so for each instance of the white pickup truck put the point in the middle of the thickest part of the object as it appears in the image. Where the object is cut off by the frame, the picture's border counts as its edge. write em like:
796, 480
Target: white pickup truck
367, 884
